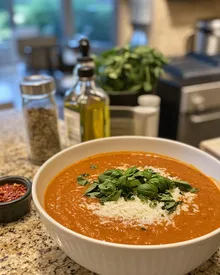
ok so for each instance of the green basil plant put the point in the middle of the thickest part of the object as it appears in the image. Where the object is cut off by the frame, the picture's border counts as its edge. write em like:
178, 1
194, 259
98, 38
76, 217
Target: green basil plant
129, 69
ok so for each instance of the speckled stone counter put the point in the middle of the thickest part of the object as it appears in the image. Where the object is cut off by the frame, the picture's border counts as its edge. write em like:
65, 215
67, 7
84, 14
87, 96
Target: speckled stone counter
25, 246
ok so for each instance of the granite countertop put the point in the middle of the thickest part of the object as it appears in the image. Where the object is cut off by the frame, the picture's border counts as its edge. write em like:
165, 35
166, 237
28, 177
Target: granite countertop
25, 245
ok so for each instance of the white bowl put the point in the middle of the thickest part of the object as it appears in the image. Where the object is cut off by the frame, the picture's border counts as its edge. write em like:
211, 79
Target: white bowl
118, 259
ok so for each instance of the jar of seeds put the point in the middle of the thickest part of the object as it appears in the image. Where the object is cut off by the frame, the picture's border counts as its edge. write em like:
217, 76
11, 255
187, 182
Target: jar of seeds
40, 113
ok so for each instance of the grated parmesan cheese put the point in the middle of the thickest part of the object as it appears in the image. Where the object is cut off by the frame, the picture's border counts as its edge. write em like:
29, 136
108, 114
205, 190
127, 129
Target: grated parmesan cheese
131, 212
138, 213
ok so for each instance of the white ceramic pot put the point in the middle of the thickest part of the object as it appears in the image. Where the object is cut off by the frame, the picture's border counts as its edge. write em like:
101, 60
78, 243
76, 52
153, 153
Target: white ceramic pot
118, 259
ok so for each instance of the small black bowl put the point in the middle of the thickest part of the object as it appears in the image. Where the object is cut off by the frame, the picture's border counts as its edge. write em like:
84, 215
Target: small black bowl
15, 209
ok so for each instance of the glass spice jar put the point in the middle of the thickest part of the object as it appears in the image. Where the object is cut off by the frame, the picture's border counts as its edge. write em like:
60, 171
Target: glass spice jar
40, 114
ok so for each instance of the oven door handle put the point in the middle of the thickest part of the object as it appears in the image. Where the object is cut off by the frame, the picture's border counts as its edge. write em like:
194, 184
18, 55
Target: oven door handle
196, 119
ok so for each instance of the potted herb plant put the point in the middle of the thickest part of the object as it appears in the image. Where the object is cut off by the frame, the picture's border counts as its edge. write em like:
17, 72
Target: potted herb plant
125, 73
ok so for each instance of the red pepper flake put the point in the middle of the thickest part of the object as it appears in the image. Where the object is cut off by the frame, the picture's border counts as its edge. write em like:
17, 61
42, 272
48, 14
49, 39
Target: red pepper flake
10, 192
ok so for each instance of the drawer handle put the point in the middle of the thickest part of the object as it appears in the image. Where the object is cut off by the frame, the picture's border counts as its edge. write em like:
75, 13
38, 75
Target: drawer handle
205, 117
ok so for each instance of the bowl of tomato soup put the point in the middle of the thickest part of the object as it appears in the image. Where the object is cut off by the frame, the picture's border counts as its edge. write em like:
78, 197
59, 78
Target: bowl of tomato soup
132, 205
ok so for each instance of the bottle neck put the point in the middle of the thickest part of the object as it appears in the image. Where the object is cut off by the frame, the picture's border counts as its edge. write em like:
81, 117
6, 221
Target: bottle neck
87, 79
85, 62
88, 85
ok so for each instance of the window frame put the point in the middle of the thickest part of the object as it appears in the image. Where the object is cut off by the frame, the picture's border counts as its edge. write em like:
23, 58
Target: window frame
68, 26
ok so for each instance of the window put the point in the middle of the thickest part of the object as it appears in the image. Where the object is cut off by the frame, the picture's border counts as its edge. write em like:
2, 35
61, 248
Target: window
43, 23
95, 19
37, 17
5, 28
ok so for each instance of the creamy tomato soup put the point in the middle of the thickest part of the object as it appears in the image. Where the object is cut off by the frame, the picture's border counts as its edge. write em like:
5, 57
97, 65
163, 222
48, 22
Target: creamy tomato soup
134, 198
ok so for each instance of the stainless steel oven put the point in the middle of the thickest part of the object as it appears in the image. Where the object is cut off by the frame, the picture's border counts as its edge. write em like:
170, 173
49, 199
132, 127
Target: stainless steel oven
190, 101
199, 117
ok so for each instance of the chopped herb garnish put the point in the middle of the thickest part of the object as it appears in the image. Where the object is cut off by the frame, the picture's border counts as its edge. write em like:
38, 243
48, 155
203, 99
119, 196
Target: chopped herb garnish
82, 180
194, 190
148, 190
184, 186
91, 188
147, 185
92, 166
143, 228
85, 175
171, 206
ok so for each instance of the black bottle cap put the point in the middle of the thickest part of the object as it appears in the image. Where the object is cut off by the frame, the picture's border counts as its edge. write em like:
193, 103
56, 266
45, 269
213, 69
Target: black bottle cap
86, 71
84, 46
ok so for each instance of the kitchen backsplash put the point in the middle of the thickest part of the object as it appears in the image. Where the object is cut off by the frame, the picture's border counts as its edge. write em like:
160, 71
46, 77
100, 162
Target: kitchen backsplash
173, 22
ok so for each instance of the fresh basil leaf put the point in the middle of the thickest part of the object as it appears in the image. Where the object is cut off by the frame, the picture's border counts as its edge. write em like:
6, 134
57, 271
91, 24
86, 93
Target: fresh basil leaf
131, 171
183, 185
93, 195
135, 88
194, 190
147, 86
107, 187
91, 188
114, 196
132, 183
116, 173
103, 178
166, 198
121, 182
148, 190
154, 180
138, 174
162, 183
147, 173
109, 172
169, 182
169, 205
127, 66
82, 181
93, 166
113, 75
155, 176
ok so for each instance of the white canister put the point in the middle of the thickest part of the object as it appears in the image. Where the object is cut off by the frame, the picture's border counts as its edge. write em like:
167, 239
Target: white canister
149, 101
145, 121
146, 116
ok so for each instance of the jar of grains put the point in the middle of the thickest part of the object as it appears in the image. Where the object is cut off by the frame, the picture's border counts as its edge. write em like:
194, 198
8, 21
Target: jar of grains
40, 113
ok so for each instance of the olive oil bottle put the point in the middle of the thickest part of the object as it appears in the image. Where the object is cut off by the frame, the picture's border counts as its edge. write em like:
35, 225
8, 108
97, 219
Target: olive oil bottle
86, 110
84, 60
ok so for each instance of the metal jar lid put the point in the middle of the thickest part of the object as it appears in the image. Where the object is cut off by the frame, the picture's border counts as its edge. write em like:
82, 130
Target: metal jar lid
209, 24
37, 85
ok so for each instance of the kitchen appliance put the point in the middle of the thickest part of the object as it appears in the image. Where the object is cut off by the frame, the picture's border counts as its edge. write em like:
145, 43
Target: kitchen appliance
190, 99
141, 13
207, 38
